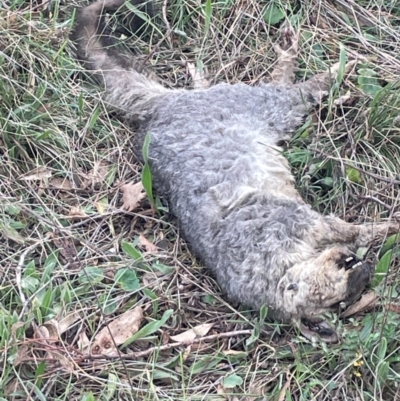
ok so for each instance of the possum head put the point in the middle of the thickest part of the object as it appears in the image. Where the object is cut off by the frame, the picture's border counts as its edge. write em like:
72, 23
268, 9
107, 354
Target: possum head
313, 287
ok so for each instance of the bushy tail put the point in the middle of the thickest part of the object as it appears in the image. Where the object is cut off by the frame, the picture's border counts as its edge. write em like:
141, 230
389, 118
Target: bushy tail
129, 88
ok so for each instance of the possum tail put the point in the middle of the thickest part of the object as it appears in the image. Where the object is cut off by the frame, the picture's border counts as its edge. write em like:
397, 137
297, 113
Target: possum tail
129, 88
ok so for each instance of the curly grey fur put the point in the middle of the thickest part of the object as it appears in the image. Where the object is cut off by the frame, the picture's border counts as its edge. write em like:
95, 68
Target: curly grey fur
214, 154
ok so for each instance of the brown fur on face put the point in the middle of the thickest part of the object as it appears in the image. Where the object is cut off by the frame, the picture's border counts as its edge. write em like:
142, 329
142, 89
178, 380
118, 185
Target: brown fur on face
310, 288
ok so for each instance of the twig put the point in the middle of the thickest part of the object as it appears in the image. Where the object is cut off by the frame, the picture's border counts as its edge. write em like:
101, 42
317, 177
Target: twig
167, 24
34, 8
365, 199
373, 198
378, 177
134, 355
282, 393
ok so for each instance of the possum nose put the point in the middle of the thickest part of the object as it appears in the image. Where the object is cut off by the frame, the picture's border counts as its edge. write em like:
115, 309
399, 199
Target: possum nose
359, 277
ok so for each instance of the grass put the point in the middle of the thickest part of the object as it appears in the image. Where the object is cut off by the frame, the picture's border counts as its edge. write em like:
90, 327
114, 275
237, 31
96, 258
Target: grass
69, 251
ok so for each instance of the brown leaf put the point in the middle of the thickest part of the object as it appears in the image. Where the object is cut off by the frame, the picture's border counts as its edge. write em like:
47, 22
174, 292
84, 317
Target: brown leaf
63, 184
199, 81
44, 333
367, 301
342, 100
14, 329
66, 322
147, 245
12, 234
102, 205
76, 213
83, 343
132, 194
22, 355
44, 108
117, 332
67, 249
195, 332
394, 308
233, 352
38, 173
50, 330
14, 385
97, 174
151, 279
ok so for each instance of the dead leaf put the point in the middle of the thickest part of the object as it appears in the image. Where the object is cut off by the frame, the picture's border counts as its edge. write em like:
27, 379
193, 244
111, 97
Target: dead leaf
22, 355
341, 100
14, 329
83, 343
186, 353
48, 330
67, 249
42, 332
220, 389
151, 279
52, 329
195, 332
367, 301
147, 245
64, 361
97, 174
233, 352
132, 194
76, 213
394, 308
318, 20
44, 108
62, 184
58, 327
38, 173
12, 234
49, 333
102, 205
117, 331
14, 386
66, 322
199, 81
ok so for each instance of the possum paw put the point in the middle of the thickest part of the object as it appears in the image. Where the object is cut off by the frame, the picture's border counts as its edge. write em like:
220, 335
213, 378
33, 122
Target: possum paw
289, 42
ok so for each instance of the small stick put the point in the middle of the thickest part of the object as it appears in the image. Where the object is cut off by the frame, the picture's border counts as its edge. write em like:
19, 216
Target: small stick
167, 25
373, 198
134, 355
378, 177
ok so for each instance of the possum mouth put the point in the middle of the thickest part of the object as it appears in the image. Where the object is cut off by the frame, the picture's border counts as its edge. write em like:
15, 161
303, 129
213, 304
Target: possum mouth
312, 327
361, 273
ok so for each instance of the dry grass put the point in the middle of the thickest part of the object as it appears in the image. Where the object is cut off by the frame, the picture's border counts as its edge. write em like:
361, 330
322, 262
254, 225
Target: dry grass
62, 229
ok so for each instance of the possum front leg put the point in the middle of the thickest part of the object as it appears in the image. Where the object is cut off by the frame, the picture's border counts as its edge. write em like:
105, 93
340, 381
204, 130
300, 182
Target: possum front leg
336, 231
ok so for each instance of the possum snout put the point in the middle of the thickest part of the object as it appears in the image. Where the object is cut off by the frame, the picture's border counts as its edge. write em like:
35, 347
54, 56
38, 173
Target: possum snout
359, 277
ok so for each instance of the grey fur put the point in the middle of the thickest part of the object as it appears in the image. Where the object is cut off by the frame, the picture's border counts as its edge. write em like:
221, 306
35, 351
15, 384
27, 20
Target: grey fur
215, 157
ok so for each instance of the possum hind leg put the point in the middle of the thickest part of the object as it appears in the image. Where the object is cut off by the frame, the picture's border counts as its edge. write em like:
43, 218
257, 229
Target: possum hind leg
131, 89
317, 87
287, 51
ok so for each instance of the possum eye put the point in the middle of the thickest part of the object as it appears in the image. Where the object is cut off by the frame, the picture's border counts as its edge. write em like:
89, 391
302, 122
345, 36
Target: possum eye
292, 287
